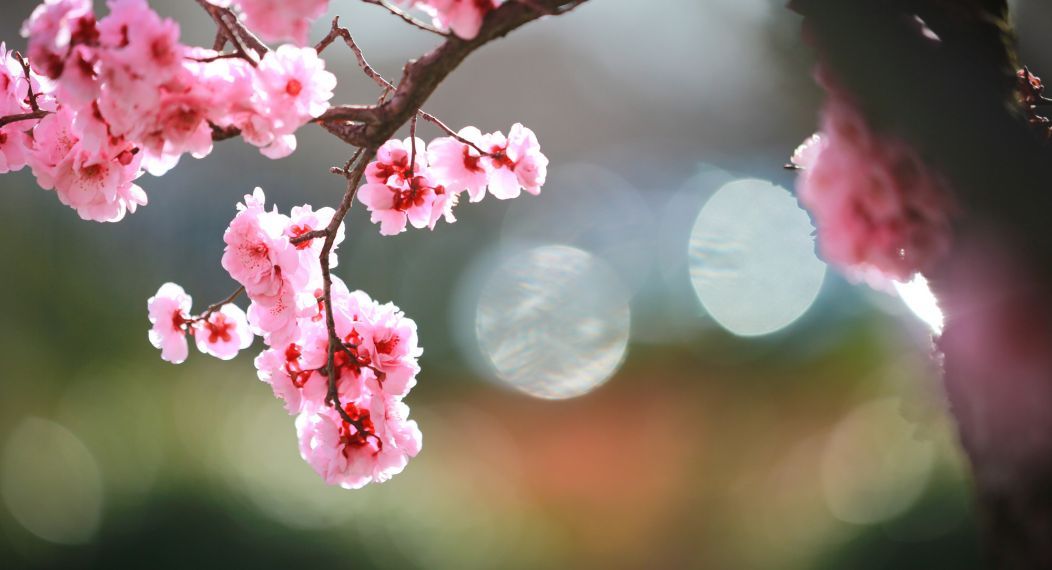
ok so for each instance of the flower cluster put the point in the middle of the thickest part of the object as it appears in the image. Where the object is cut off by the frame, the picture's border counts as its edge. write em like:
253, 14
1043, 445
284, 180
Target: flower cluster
1031, 94
881, 212
462, 17
275, 259
124, 96
413, 183
279, 20
221, 333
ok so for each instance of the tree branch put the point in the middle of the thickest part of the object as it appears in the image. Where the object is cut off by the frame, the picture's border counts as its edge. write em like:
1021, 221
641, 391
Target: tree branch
955, 101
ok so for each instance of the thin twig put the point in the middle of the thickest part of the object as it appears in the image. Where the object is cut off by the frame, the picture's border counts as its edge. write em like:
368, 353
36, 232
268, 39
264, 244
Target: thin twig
216, 57
309, 236
412, 145
337, 31
216, 306
408, 18
435, 120
29, 83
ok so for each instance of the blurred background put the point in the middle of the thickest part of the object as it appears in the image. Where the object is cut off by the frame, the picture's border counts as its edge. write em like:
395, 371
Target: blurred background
645, 366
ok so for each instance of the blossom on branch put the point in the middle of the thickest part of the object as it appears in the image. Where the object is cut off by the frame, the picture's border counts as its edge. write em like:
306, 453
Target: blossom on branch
169, 312
132, 92
279, 20
462, 17
397, 195
373, 447
224, 333
882, 213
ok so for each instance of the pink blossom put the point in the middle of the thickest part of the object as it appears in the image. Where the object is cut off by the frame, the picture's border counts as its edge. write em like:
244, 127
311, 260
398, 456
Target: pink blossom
394, 349
392, 162
295, 86
137, 39
375, 447
880, 210
277, 317
53, 28
179, 126
278, 20
53, 141
79, 86
419, 201
459, 166
293, 369
224, 333
463, 17
303, 220
169, 312
14, 141
516, 163
257, 254
98, 183
98, 187
13, 148
239, 104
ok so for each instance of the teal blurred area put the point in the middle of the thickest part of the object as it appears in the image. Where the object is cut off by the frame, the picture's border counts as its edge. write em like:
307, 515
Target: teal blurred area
688, 432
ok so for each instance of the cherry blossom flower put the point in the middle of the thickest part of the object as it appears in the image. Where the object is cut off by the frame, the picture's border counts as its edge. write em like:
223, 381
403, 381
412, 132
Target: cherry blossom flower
293, 369
98, 184
13, 148
53, 28
278, 20
277, 317
305, 219
224, 333
169, 312
98, 187
418, 201
516, 163
392, 162
178, 126
394, 349
375, 447
881, 212
295, 86
137, 40
257, 254
53, 141
14, 89
458, 165
463, 17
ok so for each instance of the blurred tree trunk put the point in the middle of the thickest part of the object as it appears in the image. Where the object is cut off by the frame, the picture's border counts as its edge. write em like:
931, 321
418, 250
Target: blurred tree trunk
956, 101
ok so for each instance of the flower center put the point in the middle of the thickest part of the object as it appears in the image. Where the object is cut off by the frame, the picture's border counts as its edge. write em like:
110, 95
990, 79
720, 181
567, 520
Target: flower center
356, 435
218, 328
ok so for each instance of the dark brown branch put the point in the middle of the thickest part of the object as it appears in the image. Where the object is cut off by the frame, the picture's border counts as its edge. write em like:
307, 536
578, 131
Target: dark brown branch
956, 101
22, 117
332, 396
